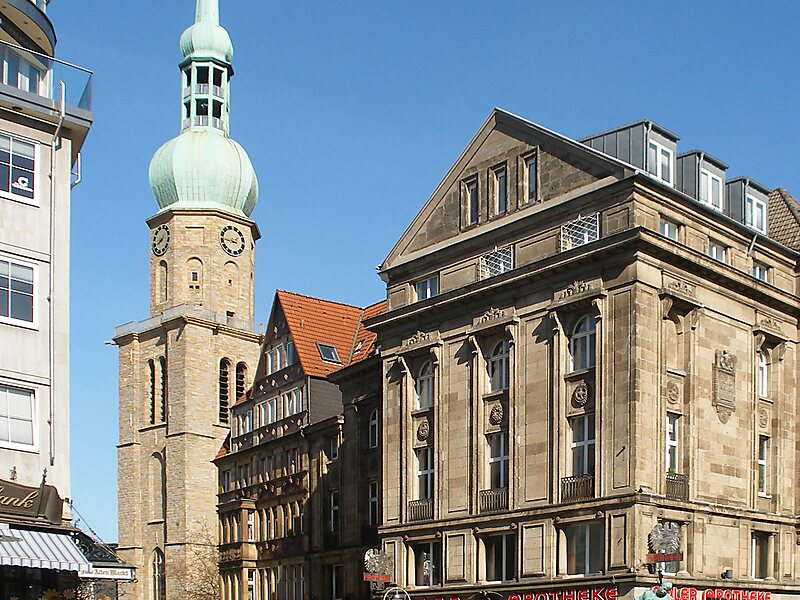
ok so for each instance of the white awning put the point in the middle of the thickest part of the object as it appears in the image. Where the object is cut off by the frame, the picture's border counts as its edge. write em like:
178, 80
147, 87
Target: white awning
42, 550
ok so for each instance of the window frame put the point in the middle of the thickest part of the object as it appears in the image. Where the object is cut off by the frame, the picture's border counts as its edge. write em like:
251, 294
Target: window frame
760, 271
508, 567
717, 251
373, 430
499, 179
33, 404
585, 339
427, 288
762, 375
434, 552
666, 228
672, 455
657, 173
762, 466
36, 200
333, 514
586, 528
472, 203
425, 386
372, 503
334, 357
498, 369
759, 543
501, 459
498, 257
583, 450
27, 264
334, 448
531, 165
708, 189
426, 476
751, 203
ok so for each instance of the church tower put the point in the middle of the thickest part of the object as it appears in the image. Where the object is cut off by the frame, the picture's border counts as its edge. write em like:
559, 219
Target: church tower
181, 369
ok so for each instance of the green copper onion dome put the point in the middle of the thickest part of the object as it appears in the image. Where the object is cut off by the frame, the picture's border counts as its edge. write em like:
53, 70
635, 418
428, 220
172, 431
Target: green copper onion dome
203, 168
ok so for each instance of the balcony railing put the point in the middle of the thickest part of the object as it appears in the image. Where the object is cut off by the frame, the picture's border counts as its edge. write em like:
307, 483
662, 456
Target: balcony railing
188, 310
577, 487
580, 231
493, 500
677, 486
420, 510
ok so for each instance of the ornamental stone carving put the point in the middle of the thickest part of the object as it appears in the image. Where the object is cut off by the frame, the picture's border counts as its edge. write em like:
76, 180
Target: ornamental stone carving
576, 287
763, 418
724, 384
770, 323
673, 392
682, 287
496, 414
418, 338
580, 395
423, 430
492, 314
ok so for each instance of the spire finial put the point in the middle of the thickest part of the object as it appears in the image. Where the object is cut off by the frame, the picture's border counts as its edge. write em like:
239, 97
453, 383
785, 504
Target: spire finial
207, 12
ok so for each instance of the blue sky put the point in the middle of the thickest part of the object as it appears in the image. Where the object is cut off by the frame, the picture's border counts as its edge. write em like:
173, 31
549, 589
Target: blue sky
352, 112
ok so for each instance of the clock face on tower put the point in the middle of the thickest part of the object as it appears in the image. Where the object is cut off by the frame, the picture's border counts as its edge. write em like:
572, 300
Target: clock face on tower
160, 240
232, 240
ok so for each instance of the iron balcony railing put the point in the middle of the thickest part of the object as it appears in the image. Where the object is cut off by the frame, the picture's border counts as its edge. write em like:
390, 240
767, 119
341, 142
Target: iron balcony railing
577, 487
420, 510
580, 231
493, 500
677, 486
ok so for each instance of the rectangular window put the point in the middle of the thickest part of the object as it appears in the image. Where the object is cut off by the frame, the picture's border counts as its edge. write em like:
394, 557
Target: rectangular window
425, 473
226, 480
531, 180
671, 459
497, 262
328, 353
759, 555
333, 503
580, 231
291, 355
471, 191
272, 410
669, 229
292, 403
17, 285
717, 251
710, 189
755, 214
17, 417
498, 460
585, 548
501, 557
334, 454
337, 583
763, 465
251, 525
373, 503
760, 271
427, 288
582, 444
762, 375
427, 563
500, 191
17, 168
659, 161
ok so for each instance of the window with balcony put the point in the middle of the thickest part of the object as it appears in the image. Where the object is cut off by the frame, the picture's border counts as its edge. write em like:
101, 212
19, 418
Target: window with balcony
582, 444
669, 229
584, 548
501, 557
755, 214
497, 262
759, 555
760, 271
372, 429
582, 344
425, 473
763, 465
710, 189
498, 460
497, 368
427, 563
499, 191
423, 386
659, 161
671, 443
580, 231
17, 287
427, 288
762, 375
717, 250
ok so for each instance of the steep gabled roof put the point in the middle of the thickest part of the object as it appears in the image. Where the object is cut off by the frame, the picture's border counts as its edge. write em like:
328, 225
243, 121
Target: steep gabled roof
784, 218
364, 339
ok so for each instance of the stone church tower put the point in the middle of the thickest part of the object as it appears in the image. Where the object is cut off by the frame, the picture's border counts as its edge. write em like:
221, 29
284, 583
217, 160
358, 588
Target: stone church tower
181, 369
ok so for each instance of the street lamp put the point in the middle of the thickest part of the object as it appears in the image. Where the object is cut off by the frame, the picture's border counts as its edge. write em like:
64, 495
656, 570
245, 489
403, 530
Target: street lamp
399, 593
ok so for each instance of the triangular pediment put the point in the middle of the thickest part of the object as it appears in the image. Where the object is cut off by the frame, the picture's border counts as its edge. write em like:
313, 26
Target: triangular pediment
504, 142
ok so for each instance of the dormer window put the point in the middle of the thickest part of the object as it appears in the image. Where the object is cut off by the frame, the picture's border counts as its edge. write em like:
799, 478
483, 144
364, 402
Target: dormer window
328, 353
659, 162
755, 214
710, 189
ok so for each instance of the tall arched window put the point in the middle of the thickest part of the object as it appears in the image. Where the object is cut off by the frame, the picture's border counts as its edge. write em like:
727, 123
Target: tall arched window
582, 344
497, 367
424, 386
224, 389
159, 578
241, 379
151, 371
372, 433
162, 281
162, 363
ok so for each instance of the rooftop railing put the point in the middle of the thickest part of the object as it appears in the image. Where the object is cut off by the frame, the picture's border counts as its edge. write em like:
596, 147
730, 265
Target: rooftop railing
188, 310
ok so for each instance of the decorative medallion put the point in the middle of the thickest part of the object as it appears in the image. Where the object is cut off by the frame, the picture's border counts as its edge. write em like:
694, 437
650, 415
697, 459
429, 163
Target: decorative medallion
580, 395
673, 392
496, 414
763, 418
424, 430
576, 287
682, 288
724, 384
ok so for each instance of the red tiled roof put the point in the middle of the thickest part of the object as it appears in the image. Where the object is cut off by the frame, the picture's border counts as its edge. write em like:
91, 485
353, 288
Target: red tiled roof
225, 448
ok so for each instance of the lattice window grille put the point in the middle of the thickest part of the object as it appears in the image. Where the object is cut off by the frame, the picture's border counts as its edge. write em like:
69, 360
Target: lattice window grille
497, 262
580, 231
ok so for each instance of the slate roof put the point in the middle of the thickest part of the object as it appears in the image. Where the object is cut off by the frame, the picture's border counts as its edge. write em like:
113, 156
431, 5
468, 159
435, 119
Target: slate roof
784, 218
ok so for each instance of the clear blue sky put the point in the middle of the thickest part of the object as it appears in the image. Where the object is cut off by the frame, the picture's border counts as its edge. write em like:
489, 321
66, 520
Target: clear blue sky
352, 112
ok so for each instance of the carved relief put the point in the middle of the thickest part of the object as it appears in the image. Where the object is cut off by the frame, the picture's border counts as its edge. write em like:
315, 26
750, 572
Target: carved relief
770, 323
673, 392
496, 414
580, 395
576, 287
763, 418
417, 338
423, 430
492, 314
681, 287
724, 384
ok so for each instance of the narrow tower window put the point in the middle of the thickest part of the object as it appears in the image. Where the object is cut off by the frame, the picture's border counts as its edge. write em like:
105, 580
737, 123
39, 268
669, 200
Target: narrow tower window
162, 281
163, 391
241, 379
151, 369
224, 389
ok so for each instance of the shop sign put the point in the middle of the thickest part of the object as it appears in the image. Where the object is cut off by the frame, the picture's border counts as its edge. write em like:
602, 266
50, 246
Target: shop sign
610, 592
665, 557
43, 501
692, 593
122, 574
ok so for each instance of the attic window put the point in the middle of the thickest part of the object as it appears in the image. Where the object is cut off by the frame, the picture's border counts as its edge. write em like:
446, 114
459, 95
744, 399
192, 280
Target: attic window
328, 353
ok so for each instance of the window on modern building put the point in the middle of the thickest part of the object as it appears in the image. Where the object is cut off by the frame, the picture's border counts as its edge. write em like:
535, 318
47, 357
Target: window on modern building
760, 271
333, 516
16, 292
763, 465
659, 161
582, 444
672, 457
425, 475
471, 193
669, 229
497, 368
423, 386
762, 375
334, 453
372, 433
427, 288
159, 576
585, 548
710, 189
497, 262
328, 353
337, 583
759, 555
531, 179
224, 390
373, 502
717, 251
16, 417
499, 191
241, 379
755, 214
582, 344
501, 557
580, 231
427, 563
498, 460
17, 168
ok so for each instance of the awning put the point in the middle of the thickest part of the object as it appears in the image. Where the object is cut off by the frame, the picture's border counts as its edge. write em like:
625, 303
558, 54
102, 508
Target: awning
42, 550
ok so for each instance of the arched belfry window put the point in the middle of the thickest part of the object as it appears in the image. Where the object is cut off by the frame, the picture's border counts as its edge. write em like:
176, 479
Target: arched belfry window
162, 363
151, 372
224, 389
424, 385
497, 367
582, 344
159, 577
241, 379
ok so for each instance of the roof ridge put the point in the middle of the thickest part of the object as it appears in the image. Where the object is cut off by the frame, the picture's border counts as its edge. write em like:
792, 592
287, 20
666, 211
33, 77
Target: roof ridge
355, 336
279, 291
